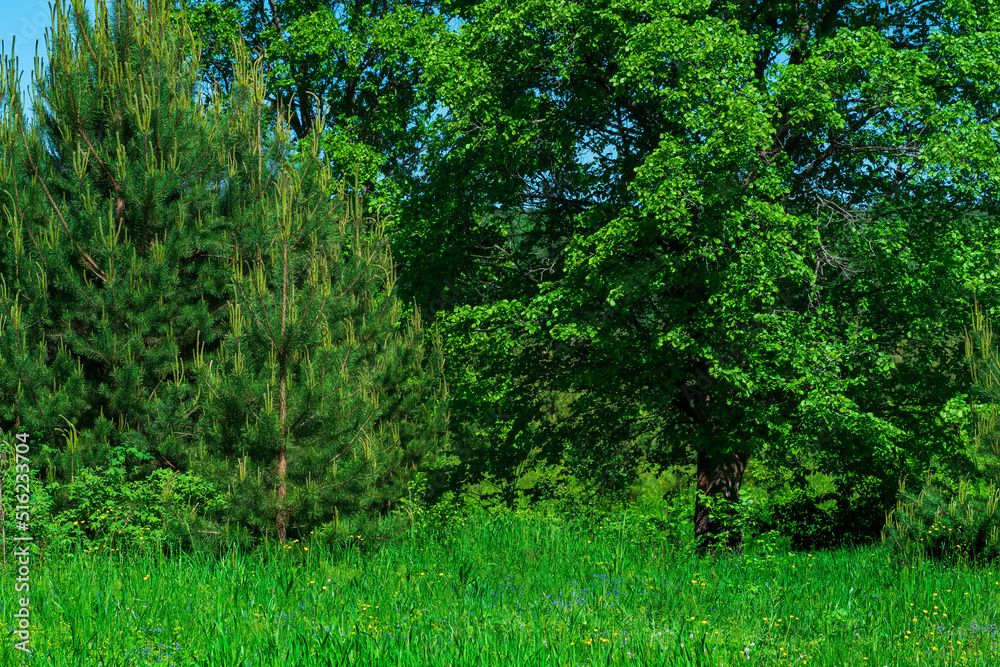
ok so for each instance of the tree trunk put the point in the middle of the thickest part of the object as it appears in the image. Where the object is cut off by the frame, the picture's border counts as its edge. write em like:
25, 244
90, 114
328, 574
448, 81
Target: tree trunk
282, 468
719, 477
282, 518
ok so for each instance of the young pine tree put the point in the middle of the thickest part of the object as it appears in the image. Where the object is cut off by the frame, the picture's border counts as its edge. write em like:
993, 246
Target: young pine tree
985, 362
321, 402
113, 257
965, 525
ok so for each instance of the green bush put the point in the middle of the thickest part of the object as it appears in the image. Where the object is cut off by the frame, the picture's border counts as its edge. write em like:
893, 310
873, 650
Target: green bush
104, 509
805, 523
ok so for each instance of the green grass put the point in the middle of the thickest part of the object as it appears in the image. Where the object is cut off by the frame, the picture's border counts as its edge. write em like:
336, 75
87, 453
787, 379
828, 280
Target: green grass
512, 590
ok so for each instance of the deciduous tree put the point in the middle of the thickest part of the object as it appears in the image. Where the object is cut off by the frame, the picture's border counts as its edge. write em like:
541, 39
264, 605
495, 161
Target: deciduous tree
711, 270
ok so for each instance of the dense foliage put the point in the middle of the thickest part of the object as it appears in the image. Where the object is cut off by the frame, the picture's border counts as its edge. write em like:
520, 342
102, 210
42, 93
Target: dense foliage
769, 263
959, 524
180, 294
772, 256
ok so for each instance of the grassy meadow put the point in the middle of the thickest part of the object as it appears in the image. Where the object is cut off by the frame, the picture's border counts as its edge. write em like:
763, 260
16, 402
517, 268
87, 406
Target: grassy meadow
511, 589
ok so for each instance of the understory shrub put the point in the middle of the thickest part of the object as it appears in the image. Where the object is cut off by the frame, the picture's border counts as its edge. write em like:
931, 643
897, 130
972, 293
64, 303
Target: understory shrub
103, 508
804, 522
828, 520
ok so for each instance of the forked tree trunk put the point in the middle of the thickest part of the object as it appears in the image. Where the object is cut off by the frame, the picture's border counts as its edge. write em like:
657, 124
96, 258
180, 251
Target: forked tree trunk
720, 477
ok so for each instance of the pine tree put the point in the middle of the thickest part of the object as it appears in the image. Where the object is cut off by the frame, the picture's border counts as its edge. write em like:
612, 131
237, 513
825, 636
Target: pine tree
321, 396
320, 393
963, 525
985, 363
140, 226
113, 257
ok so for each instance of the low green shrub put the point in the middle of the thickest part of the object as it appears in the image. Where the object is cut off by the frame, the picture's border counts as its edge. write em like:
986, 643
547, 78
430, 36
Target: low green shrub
104, 509
804, 522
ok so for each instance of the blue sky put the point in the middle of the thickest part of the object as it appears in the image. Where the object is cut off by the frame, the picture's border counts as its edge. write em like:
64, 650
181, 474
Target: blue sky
26, 20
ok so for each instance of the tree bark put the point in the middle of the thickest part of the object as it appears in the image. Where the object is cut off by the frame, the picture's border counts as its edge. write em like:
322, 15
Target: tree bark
282, 517
719, 477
